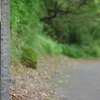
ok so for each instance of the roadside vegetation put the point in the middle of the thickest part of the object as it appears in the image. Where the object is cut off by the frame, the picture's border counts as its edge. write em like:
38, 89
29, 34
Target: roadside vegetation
54, 27
44, 34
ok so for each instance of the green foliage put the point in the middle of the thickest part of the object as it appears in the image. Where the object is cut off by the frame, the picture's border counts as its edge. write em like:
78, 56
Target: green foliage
25, 16
29, 58
24, 23
48, 45
40, 27
94, 51
73, 51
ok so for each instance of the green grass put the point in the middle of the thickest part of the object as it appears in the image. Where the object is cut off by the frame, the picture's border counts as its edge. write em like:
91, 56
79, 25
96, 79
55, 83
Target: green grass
28, 50
76, 51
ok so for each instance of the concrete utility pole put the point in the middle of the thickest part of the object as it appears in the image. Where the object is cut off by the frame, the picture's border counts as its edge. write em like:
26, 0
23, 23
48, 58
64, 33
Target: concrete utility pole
4, 50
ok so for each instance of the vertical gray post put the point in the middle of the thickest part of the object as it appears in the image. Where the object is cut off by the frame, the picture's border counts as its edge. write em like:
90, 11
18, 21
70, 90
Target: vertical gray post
4, 51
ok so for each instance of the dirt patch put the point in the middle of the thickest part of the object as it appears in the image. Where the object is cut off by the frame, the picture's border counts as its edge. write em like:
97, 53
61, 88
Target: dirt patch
29, 84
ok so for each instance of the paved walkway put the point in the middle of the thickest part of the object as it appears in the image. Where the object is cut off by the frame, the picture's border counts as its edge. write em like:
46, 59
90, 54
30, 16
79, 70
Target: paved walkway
80, 82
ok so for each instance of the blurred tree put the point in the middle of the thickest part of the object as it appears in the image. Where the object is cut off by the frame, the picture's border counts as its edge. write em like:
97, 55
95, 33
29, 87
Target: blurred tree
65, 18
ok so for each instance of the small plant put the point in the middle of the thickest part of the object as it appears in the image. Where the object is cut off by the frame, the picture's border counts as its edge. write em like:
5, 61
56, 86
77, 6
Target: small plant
29, 58
17, 69
50, 98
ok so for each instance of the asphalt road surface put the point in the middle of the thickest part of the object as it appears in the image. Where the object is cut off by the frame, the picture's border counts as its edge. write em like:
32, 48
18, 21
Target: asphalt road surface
80, 82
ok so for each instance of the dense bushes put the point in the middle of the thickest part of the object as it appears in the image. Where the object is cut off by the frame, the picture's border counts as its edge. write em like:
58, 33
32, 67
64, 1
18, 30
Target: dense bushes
57, 27
24, 25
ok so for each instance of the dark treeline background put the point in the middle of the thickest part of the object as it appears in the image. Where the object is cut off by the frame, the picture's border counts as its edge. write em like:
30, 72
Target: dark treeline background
55, 27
